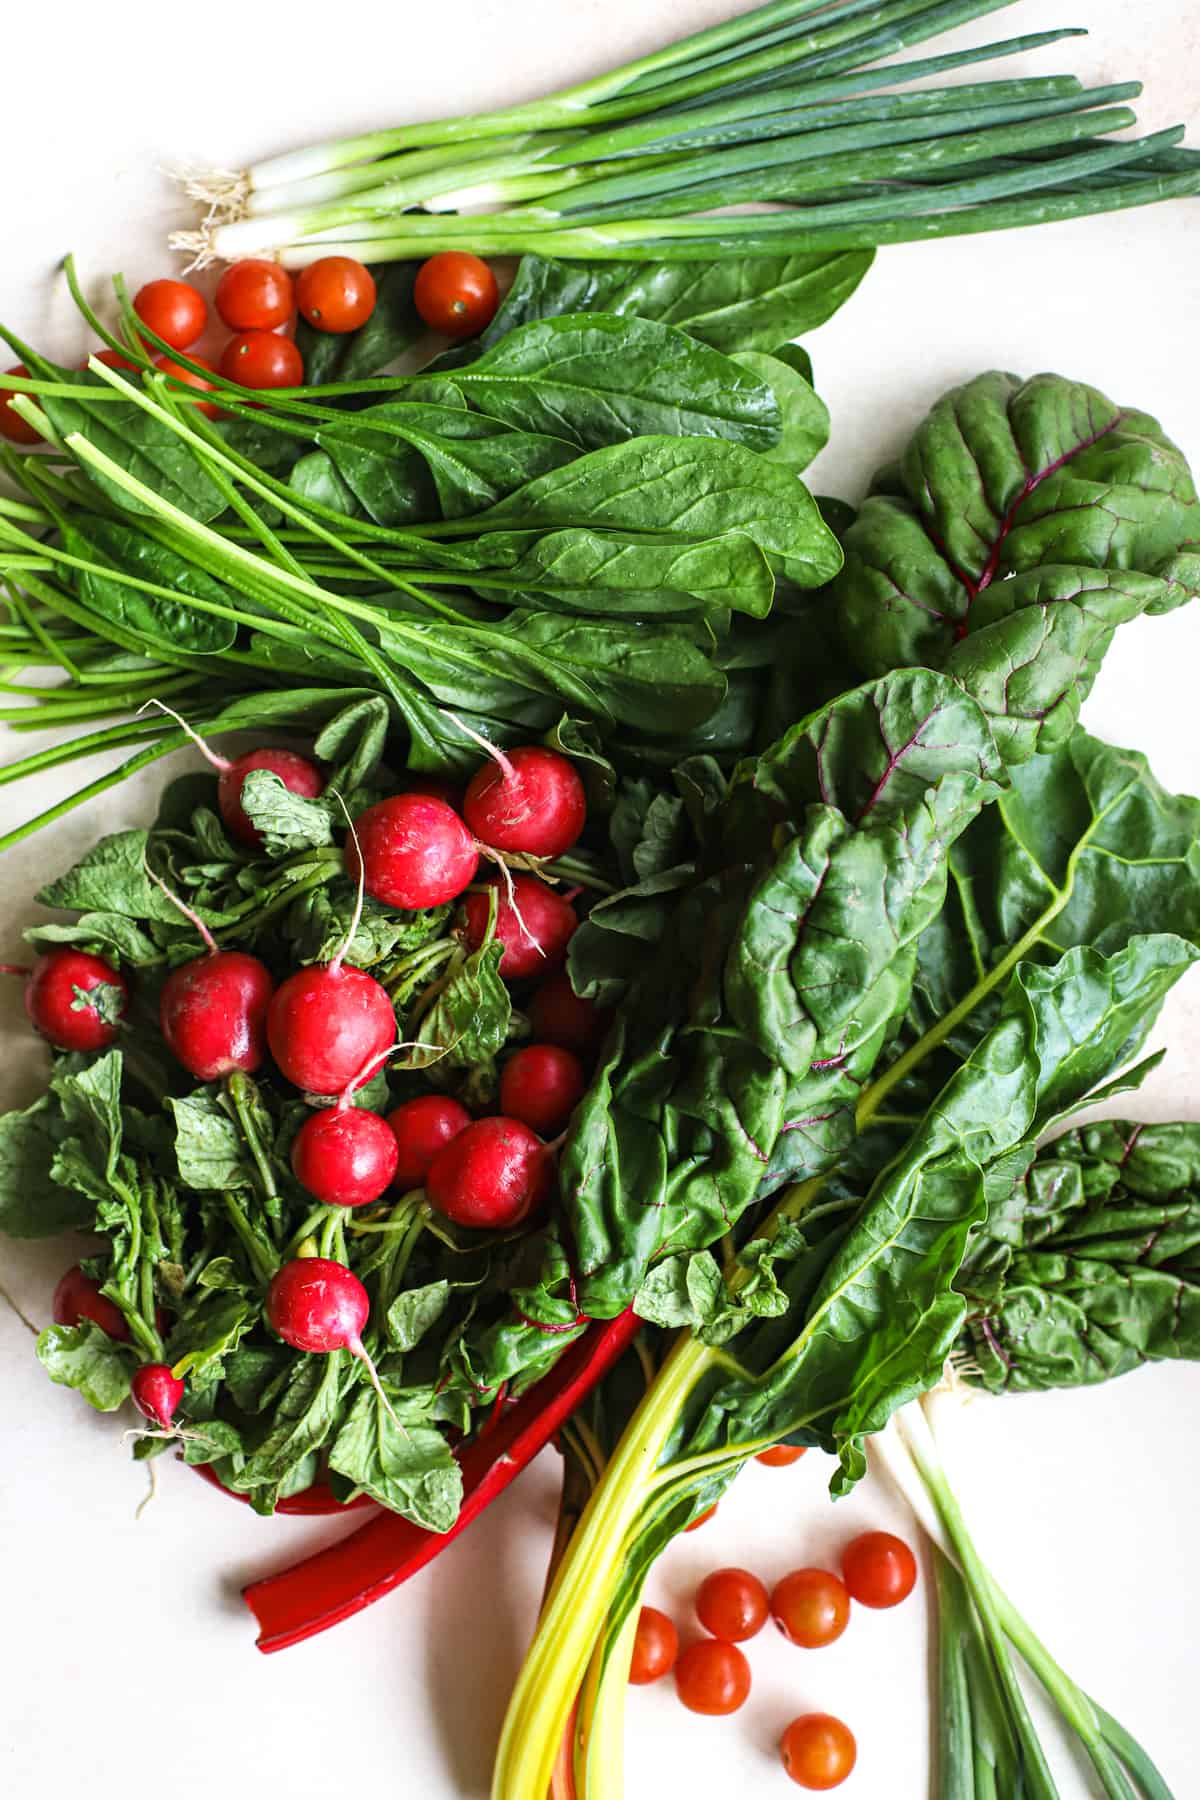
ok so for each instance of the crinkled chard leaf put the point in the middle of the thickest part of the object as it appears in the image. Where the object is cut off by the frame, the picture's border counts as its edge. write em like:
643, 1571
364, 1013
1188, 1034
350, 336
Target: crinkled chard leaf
1024, 522
1088, 1264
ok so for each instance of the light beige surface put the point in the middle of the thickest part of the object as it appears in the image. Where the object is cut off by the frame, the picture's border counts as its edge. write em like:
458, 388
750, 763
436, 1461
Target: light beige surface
127, 1647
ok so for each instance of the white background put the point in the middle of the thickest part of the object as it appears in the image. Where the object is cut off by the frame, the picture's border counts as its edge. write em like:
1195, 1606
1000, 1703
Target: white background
127, 1646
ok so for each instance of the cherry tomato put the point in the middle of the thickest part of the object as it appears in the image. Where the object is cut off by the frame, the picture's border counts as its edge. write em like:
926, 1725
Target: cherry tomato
818, 1751
732, 1604
655, 1647
255, 295
456, 293
173, 309
12, 425
702, 1519
179, 373
879, 1569
780, 1456
262, 359
712, 1677
810, 1607
336, 293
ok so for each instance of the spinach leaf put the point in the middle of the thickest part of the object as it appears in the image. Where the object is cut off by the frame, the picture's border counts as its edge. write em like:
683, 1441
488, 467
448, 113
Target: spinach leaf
1088, 1263
1023, 523
317, 477
85, 1358
156, 622
404, 1464
803, 414
594, 379
140, 444
730, 302
683, 486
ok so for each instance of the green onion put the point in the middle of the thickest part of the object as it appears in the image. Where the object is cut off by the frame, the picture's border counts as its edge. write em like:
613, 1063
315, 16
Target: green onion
642, 162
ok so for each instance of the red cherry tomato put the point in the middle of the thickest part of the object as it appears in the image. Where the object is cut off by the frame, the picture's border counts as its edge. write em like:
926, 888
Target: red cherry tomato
456, 293
712, 1677
878, 1569
12, 425
336, 293
780, 1456
818, 1751
702, 1519
655, 1647
173, 309
262, 359
811, 1607
255, 295
732, 1604
179, 373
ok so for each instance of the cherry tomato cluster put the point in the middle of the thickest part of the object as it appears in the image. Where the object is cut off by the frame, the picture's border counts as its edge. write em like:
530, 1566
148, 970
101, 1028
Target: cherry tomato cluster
454, 293
811, 1607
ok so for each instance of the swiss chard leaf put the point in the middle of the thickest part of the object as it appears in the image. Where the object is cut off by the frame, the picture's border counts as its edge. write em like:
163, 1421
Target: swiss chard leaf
154, 620
1088, 1263
140, 444
1023, 523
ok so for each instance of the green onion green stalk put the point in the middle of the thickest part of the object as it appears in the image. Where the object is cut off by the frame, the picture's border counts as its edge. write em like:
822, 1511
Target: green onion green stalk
780, 106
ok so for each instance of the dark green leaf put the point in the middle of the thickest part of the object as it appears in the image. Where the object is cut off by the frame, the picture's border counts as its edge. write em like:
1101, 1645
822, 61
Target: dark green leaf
404, 1465
85, 1358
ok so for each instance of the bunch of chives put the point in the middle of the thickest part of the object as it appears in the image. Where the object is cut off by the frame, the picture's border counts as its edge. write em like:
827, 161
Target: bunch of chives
780, 106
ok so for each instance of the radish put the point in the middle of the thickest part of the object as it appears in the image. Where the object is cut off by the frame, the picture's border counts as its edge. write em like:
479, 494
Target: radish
491, 1176
78, 1296
529, 800
316, 1304
213, 1013
345, 1155
559, 1016
541, 1084
297, 774
421, 1128
156, 1393
326, 1023
330, 1025
412, 851
63, 1003
533, 923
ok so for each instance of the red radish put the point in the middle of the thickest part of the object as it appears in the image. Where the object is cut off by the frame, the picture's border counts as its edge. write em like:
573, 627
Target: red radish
529, 800
533, 923
559, 1016
413, 851
213, 1013
298, 775
345, 1155
326, 1023
421, 1128
316, 1304
78, 1296
491, 1176
541, 1085
63, 1000
156, 1393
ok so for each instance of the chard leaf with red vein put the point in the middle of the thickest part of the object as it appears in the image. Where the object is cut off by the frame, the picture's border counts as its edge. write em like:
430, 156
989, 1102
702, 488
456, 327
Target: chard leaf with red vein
1023, 523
